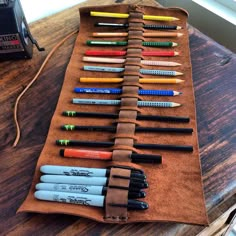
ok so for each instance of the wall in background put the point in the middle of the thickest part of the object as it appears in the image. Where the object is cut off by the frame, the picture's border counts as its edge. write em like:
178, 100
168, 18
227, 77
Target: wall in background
207, 22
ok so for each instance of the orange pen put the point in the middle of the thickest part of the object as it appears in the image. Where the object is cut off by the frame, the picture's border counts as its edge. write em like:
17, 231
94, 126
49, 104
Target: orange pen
86, 154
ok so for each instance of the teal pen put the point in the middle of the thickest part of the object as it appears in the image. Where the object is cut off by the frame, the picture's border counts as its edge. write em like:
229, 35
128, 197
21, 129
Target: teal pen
118, 102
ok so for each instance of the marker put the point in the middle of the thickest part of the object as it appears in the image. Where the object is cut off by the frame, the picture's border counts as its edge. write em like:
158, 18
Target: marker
85, 189
153, 27
149, 35
82, 171
141, 81
170, 147
107, 156
118, 102
119, 91
123, 53
97, 181
122, 15
142, 71
85, 199
137, 129
97, 115
121, 61
125, 43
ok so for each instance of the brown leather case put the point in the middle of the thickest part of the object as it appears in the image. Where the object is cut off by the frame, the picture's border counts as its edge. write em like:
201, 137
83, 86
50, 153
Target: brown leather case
175, 190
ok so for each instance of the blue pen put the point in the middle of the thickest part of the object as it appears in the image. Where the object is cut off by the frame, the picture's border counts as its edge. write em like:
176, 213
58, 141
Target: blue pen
118, 102
119, 91
142, 71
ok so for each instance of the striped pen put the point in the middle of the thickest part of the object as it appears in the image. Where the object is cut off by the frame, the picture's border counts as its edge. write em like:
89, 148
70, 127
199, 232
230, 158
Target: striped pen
123, 53
121, 61
145, 26
141, 81
118, 102
125, 43
119, 91
142, 71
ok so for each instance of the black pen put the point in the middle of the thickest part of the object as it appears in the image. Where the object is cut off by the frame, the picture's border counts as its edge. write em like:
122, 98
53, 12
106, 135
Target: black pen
186, 148
86, 189
86, 199
137, 129
96, 115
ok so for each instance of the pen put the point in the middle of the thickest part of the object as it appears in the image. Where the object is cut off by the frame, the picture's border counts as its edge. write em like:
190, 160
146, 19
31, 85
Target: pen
82, 171
85, 189
142, 71
149, 35
107, 156
124, 43
97, 115
123, 53
85, 199
141, 81
119, 91
145, 26
137, 129
97, 181
118, 102
63, 142
123, 15
121, 61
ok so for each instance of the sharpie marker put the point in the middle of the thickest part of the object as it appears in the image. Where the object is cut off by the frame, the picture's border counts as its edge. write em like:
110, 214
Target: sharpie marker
97, 181
118, 102
82, 171
85, 189
85, 199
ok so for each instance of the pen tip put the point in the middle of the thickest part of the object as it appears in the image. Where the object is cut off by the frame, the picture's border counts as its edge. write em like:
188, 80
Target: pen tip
174, 18
179, 27
61, 152
174, 44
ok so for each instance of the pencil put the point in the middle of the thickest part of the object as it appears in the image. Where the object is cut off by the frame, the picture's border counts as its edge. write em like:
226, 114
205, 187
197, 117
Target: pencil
145, 26
120, 61
120, 15
149, 35
123, 53
63, 142
118, 102
142, 71
142, 81
125, 43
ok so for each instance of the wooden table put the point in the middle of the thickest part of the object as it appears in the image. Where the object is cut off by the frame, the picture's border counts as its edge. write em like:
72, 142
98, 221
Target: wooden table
214, 75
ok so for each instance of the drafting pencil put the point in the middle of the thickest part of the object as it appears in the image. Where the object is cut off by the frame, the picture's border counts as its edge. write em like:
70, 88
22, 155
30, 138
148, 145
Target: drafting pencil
121, 15
112, 129
123, 53
141, 81
97, 115
119, 91
187, 148
125, 43
85, 199
142, 71
118, 102
121, 61
145, 26
148, 35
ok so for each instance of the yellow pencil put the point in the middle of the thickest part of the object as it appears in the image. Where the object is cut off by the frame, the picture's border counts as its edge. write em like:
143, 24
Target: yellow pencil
142, 81
150, 35
121, 15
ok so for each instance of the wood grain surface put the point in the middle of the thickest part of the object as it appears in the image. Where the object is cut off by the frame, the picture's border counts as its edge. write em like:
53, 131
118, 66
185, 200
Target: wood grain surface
214, 75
